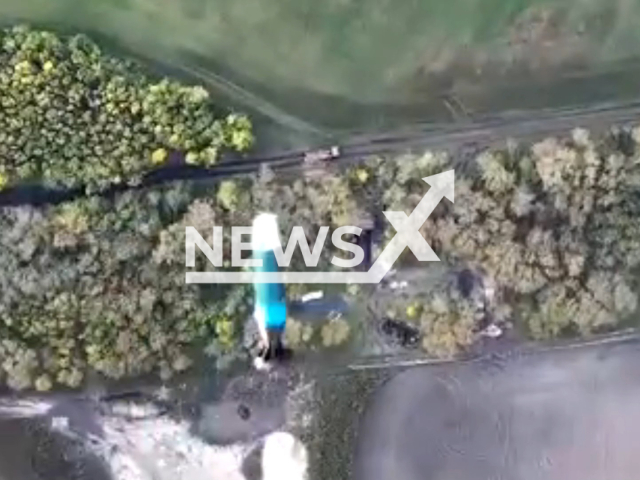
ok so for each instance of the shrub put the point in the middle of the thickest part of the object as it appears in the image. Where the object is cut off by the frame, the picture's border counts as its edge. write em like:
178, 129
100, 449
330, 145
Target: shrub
447, 326
335, 332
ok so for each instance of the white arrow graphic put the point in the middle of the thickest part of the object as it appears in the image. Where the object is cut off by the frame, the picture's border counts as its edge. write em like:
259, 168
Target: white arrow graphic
408, 227
407, 235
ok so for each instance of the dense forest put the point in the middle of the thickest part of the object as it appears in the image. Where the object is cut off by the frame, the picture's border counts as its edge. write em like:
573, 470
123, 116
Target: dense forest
552, 224
98, 283
72, 116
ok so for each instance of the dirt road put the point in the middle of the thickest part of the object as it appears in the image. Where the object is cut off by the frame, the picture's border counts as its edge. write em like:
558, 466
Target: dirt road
476, 133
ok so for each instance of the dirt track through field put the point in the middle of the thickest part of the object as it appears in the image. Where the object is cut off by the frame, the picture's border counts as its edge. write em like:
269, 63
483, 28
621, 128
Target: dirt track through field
475, 134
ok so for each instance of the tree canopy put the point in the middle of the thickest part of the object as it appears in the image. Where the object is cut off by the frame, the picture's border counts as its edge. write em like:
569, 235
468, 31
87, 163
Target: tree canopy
553, 224
98, 283
72, 115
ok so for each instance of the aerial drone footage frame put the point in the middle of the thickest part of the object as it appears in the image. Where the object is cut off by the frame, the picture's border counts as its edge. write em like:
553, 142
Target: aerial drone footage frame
122, 123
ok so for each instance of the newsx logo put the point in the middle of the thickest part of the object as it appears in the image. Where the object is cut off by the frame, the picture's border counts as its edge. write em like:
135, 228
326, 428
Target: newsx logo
407, 235
298, 237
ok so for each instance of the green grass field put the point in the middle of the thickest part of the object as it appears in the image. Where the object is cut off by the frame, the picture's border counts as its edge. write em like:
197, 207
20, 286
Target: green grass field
349, 64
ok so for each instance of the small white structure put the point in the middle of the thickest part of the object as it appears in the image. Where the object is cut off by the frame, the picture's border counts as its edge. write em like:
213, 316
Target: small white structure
284, 457
59, 423
492, 331
307, 297
401, 285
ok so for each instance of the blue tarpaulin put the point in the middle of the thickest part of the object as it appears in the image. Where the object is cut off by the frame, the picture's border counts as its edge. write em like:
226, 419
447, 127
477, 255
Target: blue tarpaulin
270, 298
